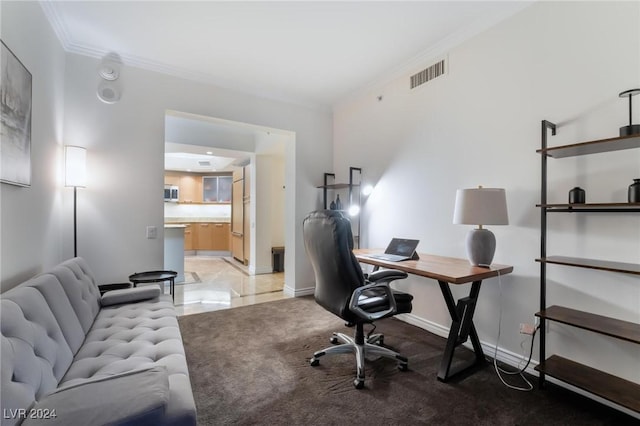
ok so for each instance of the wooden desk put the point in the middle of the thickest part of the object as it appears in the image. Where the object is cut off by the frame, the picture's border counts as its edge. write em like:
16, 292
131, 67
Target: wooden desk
447, 271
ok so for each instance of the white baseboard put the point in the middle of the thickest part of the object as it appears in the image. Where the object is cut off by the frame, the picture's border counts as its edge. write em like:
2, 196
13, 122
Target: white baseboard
259, 270
292, 292
211, 253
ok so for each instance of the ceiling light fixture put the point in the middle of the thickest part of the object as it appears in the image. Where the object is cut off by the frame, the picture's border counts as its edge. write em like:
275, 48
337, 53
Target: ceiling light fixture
109, 91
108, 71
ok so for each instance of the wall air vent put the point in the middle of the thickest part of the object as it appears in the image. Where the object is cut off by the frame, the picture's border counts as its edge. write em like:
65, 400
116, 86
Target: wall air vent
427, 74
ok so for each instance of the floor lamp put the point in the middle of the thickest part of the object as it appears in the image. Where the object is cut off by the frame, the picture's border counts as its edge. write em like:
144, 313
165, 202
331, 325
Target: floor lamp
75, 175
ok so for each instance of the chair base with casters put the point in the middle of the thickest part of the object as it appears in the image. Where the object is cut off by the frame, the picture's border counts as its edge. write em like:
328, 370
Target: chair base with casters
357, 344
343, 289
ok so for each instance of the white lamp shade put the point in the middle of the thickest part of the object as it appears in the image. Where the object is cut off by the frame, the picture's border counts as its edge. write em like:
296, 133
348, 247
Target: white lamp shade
75, 166
481, 206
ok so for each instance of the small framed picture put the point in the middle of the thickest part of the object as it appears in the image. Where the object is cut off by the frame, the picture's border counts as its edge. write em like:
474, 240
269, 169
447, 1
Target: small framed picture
15, 118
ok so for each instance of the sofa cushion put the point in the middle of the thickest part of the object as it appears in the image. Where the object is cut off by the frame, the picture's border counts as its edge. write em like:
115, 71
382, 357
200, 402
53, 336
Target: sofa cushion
137, 397
128, 337
80, 286
129, 295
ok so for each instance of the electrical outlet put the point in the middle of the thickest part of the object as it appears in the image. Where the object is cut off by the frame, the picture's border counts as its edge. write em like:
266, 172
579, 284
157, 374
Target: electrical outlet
152, 232
527, 328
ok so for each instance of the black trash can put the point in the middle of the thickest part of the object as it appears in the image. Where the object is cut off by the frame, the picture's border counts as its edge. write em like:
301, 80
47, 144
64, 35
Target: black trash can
277, 254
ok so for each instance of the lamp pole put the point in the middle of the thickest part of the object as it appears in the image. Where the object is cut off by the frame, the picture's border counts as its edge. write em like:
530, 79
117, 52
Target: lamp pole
75, 221
75, 176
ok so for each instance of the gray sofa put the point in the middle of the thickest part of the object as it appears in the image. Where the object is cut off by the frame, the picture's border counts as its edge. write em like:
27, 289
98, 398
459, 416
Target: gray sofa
73, 357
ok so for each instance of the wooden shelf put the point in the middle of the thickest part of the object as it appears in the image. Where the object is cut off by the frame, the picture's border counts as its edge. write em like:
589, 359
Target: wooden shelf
592, 207
338, 186
612, 327
604, 385
603, 265
593, 147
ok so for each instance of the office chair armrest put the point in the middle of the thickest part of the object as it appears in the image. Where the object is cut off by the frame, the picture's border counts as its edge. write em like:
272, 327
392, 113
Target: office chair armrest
387, 275
372, 316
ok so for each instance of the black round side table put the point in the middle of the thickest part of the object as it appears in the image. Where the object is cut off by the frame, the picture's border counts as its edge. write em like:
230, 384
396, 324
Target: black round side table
155, 277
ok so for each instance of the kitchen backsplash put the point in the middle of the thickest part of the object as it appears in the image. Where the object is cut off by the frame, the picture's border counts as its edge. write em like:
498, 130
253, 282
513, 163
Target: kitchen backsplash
175, 210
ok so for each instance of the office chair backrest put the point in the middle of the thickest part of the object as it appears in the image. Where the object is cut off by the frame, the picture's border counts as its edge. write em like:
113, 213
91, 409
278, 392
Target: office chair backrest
329, 243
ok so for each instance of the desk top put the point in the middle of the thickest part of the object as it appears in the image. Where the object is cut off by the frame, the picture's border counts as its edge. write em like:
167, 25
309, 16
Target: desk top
450, 269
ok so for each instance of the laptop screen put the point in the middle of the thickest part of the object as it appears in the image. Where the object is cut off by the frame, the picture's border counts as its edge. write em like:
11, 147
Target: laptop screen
402, 247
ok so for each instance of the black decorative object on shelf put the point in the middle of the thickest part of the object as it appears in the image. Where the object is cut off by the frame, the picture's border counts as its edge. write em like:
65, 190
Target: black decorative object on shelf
577, 196
631, 129
338, 202
634, 191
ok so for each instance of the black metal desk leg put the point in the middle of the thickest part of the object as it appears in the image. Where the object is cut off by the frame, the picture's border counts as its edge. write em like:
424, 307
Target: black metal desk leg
462, 328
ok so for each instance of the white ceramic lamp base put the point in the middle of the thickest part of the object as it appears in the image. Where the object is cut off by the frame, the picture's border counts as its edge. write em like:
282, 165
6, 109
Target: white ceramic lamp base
481, 246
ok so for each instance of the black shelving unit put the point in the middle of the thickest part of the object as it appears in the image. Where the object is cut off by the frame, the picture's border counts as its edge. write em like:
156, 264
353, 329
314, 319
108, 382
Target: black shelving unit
604, 385
330, 189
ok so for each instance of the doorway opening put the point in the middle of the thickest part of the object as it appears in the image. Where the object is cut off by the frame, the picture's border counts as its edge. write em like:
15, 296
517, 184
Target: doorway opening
229, 212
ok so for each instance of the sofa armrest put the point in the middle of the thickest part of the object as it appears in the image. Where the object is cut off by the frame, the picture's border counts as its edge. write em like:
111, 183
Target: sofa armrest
115, 286
129, 295
134, 398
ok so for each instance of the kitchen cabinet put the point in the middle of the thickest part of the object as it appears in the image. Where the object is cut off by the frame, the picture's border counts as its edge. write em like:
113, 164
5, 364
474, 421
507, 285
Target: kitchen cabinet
237, 215
221, 235
190, 189
612, 388
188, 237
171, 179
216, 189
197, 188
212, 236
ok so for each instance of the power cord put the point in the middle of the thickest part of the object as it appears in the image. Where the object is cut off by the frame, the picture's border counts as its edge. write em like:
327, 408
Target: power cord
499, 370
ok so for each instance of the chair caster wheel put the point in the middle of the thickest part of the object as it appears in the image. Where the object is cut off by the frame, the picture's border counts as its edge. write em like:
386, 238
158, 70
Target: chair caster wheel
359, 384
380, 341
403, 367
314, 362
334, 340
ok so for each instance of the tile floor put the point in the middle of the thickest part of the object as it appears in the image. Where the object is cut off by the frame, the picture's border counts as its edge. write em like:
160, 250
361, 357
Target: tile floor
214, 283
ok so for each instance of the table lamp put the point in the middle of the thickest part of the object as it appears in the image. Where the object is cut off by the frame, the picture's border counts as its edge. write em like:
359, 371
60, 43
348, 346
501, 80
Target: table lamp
481, 206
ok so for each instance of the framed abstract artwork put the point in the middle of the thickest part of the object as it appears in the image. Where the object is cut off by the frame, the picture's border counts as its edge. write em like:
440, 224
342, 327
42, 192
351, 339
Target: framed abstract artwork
15, 118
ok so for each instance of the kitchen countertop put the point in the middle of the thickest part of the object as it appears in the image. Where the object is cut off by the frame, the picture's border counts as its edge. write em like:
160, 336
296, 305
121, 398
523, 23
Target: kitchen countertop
179, 220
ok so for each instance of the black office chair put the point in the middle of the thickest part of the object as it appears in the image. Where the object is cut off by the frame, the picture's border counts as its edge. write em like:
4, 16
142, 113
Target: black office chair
342, 289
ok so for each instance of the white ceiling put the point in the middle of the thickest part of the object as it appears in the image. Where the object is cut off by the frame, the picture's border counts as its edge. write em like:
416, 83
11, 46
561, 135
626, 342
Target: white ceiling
314, 53
192, 139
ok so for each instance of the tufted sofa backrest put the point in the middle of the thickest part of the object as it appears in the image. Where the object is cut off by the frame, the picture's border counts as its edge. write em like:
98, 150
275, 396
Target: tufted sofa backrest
82, 291
35, 352
43, 323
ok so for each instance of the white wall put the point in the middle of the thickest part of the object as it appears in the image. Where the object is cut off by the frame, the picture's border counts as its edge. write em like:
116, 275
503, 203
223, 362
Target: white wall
31, 219
480, 124
125, 144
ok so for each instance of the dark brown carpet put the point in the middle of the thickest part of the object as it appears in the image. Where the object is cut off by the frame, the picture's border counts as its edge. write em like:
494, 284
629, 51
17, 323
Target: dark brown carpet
249, 365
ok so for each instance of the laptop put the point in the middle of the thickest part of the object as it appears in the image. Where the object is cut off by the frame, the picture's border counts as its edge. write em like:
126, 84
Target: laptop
399, 249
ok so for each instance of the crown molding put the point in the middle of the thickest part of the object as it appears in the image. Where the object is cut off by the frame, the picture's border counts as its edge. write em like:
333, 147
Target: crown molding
56, 22
71, 46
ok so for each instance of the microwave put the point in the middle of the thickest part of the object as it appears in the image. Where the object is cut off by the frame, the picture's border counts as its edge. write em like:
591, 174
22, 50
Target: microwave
171, 193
